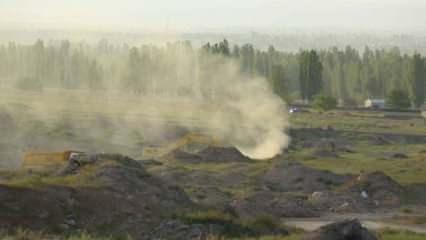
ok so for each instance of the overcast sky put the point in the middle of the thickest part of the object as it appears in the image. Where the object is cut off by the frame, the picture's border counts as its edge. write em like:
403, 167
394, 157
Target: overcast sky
198, 15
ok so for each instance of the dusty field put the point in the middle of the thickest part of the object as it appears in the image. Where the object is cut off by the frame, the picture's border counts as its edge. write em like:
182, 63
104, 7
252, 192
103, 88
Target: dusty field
343, 163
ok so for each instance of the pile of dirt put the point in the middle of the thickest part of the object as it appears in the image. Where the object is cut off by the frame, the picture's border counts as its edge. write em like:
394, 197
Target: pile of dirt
337, 202
377, 187
273, 204
116, 195
290, 176
182, 156
178, 230
345, 230
209, 154
222, 154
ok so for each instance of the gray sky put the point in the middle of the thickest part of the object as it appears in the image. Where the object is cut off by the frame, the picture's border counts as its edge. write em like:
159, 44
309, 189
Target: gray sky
198, 15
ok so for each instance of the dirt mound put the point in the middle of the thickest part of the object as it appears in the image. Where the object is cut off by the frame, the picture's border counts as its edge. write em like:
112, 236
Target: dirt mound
177, 230
345, 230
377, 187
222, 154
288, 176
273, 204
207, 155
110, 196
330, 201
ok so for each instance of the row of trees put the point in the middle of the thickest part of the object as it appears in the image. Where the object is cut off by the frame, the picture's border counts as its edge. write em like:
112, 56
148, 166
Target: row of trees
346, 74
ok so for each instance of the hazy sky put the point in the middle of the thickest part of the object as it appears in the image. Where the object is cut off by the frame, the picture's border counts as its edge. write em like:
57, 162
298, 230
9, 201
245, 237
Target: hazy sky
196, 15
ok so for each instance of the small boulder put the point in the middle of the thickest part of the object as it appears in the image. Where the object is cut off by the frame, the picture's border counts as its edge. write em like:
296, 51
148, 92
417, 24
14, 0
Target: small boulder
345, 230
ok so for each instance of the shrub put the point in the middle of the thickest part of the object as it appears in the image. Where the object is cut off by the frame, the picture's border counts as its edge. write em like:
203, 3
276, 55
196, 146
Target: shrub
324, 103
398, 99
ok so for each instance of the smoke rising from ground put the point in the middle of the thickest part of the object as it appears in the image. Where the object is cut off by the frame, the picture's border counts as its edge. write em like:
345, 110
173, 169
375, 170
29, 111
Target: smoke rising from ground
156, 95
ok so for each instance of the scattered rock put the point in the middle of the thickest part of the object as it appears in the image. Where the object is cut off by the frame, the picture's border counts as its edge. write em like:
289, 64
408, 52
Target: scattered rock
345, 230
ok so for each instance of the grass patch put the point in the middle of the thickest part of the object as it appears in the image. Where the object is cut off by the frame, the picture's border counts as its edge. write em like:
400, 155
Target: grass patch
21, 234
84, 178
400, 235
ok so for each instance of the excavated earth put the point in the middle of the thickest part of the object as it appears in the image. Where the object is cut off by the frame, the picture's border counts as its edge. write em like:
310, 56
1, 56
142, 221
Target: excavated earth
125, 199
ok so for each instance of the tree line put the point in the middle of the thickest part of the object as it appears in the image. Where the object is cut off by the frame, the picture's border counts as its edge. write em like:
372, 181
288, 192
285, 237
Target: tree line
346, 74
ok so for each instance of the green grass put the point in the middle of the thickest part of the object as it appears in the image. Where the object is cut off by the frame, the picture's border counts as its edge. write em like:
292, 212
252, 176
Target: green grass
359, 121
373, 158
367, 157
84, 178
400, 235
22, 234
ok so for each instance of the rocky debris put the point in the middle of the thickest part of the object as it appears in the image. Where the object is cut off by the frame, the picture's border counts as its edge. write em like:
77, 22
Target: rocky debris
380, 188
123, 197
345, 230
289, 176
273, 204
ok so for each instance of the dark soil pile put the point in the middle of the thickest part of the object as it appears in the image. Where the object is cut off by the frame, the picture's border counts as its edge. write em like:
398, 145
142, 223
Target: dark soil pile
126, 200
288, 176
378, 187
273, 204
345, 230
222, 154
207, 155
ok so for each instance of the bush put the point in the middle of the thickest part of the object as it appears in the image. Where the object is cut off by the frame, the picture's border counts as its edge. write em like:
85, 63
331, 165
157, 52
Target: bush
324, 103
398, 99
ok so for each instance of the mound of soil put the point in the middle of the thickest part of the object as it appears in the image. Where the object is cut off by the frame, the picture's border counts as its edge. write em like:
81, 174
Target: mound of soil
288, 176
222, 154
273, 204
345, 230
378, 187
331, 201
125, 199
207, 155
182, 156
177, 230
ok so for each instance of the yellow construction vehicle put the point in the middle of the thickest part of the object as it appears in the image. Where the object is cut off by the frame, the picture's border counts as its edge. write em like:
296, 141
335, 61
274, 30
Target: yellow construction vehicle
46, 160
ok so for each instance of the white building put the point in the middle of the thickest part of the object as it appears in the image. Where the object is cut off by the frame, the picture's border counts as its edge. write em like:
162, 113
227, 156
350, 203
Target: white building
375, 103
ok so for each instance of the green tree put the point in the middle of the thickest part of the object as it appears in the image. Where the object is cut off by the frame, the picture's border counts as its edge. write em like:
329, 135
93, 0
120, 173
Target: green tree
324, 103
398, 99
310, 74
279, 82
418, 80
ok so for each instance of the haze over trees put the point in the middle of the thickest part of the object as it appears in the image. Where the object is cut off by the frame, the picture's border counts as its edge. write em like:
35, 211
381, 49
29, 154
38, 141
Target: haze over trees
347, 74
